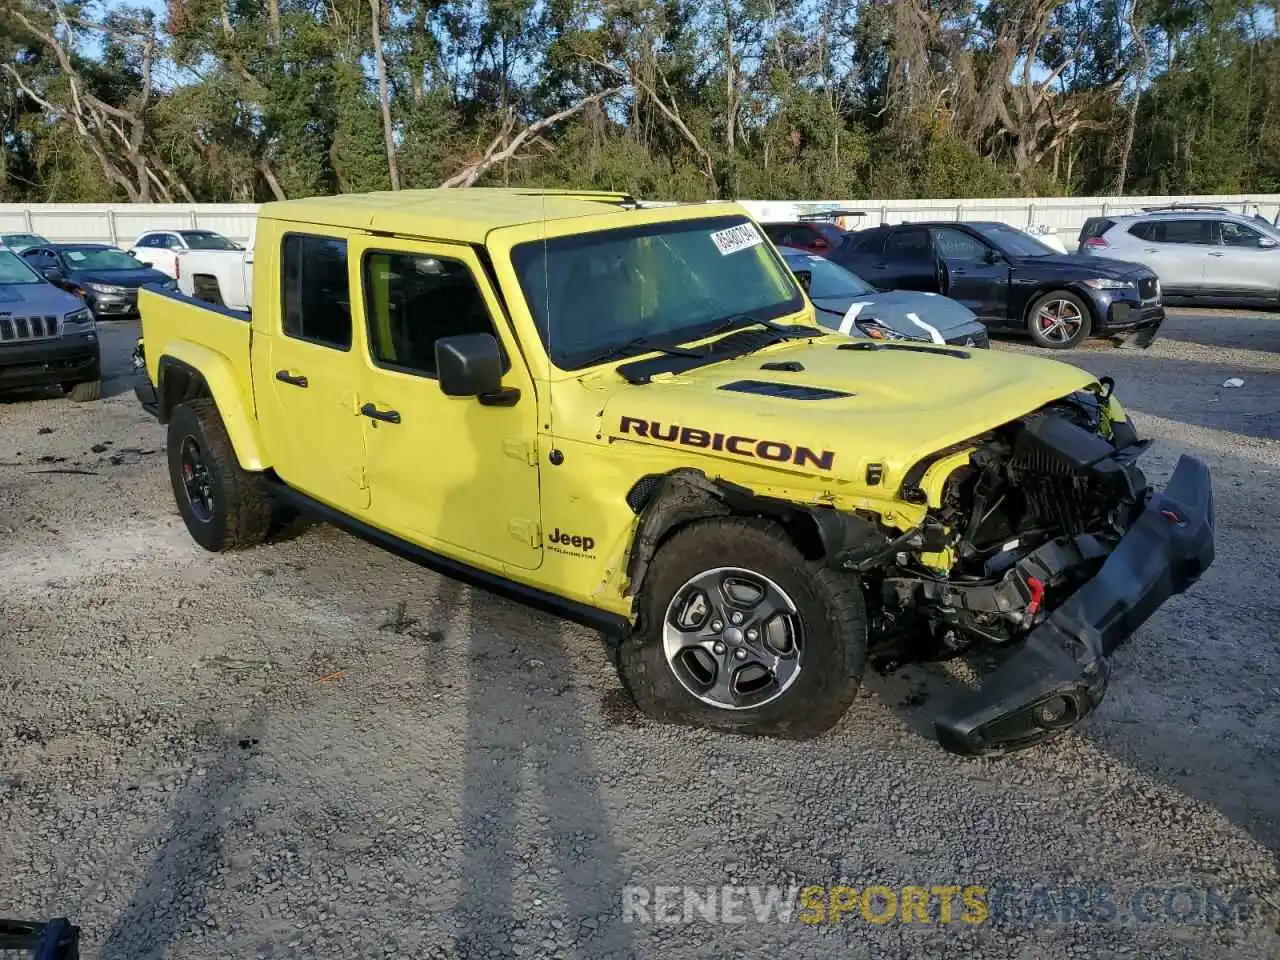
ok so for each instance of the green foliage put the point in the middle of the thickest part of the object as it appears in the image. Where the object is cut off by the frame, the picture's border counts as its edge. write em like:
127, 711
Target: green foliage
782, 99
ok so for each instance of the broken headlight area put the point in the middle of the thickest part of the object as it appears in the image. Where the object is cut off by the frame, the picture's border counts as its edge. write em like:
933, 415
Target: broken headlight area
1033, 515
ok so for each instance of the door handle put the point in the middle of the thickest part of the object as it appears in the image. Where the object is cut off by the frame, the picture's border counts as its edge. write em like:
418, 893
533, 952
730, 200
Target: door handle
957, 271
1215, 253
285, 377
386, 416
1150, 250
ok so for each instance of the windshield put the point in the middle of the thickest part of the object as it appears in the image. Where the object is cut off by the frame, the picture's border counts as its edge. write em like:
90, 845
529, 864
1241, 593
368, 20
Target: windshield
1012, 241
204, 240
663, 283
14, 270
830, 280
98, 258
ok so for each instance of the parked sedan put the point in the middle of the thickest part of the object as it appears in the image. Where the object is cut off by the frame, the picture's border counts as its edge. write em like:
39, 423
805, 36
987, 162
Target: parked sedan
847, 303
1011, 280
106, 277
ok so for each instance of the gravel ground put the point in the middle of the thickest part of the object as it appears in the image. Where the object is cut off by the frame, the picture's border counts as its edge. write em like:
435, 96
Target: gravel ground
317, 749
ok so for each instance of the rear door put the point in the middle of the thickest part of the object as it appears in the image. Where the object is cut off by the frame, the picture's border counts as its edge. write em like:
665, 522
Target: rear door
1178, 250
906, 262
980, 285
1242, 265
449, 473
307, 382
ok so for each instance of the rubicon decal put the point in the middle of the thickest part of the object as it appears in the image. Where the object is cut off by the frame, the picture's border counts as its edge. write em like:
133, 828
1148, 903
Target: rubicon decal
740, 446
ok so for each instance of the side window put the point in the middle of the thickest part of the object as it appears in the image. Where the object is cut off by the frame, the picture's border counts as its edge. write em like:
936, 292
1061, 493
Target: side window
147, 240
911, 243
1185, 231
1237, 235
1143, 230
958, 245
317, 296
775, 232
411, 301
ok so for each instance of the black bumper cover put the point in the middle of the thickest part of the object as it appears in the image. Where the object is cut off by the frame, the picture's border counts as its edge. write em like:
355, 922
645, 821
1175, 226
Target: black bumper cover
1061, 672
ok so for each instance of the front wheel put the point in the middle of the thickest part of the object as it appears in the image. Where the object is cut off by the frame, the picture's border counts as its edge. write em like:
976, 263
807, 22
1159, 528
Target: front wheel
224, 506
739, 631
1058, 320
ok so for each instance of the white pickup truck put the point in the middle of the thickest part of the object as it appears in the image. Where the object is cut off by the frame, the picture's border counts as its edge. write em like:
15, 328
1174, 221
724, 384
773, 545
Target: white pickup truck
206, 265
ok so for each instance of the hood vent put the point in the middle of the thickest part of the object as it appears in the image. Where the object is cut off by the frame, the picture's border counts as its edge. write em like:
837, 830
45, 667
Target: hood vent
787, 391
870, 345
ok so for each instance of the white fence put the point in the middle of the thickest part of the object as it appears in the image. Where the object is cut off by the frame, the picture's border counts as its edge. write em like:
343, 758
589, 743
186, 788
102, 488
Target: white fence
120, 223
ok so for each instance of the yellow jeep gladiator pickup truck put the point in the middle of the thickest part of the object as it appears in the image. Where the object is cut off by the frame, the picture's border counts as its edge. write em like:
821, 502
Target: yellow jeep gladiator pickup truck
625, 414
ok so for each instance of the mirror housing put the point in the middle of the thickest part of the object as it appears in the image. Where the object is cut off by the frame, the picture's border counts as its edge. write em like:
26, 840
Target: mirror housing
804, 278
52, 274
992, 256
1268, 243
470, 365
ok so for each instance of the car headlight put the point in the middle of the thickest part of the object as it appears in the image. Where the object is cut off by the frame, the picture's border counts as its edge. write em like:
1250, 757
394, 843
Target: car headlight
105, 288
79, 318
878, 331
1102, 283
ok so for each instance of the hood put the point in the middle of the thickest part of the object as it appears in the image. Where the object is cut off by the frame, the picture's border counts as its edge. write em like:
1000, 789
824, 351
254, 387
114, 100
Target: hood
1075, 266
36, 298
890, 404
129, 279
891, 309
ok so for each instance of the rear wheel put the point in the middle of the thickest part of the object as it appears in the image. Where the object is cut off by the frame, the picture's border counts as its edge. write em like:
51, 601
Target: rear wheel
771, 645
1058, 320
224, 506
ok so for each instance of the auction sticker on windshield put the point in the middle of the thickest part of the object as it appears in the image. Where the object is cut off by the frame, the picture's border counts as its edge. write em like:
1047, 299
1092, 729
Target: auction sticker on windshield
742, 237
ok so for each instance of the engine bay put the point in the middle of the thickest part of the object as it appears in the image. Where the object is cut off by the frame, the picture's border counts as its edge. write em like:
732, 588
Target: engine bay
1033, 514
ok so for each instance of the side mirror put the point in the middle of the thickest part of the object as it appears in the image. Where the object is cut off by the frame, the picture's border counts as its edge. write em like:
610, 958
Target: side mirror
1268, 243
470, 365
52, 274
132, 253
991, 256
804, 278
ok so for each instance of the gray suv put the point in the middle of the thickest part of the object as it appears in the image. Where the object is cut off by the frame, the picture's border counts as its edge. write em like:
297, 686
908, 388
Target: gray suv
1197, 252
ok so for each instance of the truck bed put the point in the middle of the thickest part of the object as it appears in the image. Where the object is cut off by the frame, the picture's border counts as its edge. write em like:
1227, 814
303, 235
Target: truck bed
214, 340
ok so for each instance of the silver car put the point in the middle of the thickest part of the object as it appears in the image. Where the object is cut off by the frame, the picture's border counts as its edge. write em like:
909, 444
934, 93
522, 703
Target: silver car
1202, 253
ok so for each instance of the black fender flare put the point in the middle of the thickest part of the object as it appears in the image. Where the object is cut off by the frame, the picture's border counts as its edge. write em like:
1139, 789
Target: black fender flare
667, 502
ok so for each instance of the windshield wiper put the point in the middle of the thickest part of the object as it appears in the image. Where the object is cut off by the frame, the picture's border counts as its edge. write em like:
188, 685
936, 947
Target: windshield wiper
735, 320
640, 344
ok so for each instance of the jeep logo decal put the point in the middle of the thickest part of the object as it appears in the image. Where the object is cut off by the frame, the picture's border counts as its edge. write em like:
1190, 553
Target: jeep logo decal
739, 446
572, 543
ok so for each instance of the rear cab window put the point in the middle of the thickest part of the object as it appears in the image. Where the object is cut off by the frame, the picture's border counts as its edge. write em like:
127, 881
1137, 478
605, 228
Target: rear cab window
315, 290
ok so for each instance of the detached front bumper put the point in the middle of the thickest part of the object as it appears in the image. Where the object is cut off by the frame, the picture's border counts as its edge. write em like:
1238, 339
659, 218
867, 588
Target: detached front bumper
1061, 672
1133, 325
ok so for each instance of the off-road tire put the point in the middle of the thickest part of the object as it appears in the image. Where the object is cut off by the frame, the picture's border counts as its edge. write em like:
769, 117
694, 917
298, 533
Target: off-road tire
242, 506
1081, 335
831, 609
84, 392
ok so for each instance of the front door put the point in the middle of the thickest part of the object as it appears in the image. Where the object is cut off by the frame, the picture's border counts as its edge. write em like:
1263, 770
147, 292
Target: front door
972, 277
1241, 265
448, 473
307, 390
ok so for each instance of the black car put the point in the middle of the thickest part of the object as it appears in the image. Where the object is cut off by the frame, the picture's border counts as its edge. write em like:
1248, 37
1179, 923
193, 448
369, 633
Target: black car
1011, 280
106, 277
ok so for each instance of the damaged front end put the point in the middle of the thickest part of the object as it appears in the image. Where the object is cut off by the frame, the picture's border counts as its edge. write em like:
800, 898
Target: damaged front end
1049, 542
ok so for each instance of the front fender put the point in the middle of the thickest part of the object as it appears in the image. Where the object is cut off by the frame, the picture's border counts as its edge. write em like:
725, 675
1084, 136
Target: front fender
182, 371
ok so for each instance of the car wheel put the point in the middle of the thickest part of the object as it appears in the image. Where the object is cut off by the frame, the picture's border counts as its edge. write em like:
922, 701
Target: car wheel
1058, 320
739, 631
224, 506
84, 392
